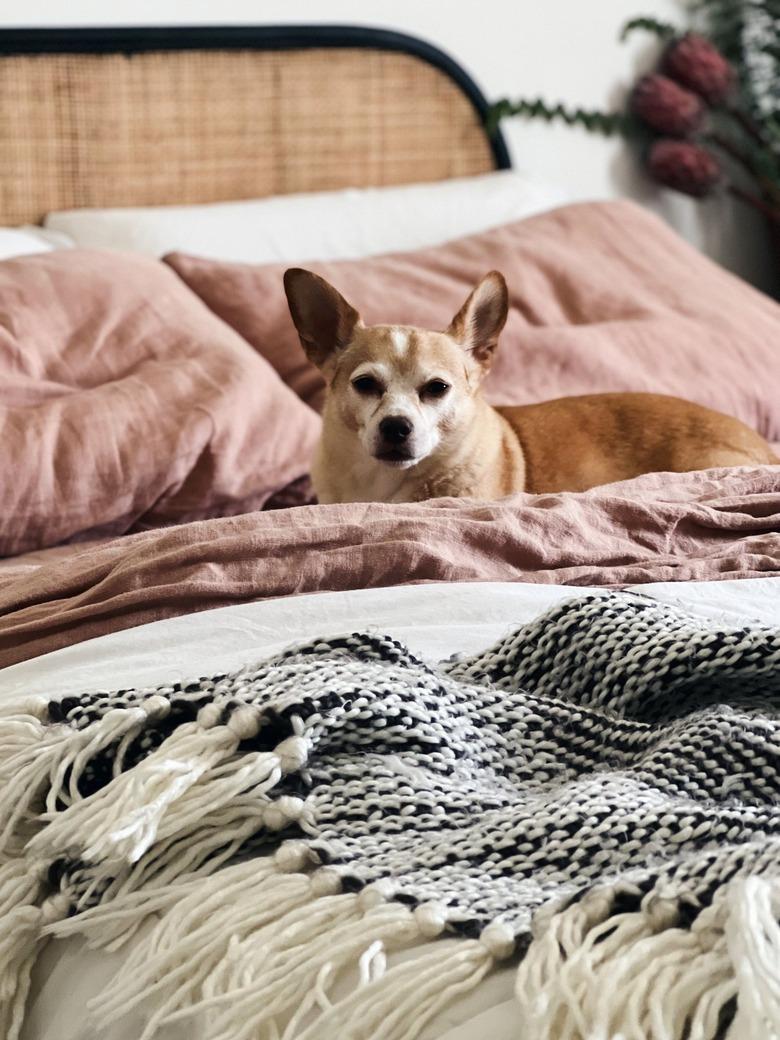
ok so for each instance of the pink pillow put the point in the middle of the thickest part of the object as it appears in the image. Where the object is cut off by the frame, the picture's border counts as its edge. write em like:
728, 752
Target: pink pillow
125, 402
604, 296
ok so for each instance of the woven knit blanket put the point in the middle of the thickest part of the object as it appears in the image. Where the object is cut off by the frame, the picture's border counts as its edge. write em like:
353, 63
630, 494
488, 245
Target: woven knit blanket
596, 797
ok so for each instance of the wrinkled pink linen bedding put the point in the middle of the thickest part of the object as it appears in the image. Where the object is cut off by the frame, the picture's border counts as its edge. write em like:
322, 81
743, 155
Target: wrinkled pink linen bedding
662, 527
128, 404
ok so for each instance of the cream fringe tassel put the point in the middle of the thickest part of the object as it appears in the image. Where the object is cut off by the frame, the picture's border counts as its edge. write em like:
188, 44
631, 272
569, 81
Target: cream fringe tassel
635, 976
194, 772
21, 936
260, 944
179, 814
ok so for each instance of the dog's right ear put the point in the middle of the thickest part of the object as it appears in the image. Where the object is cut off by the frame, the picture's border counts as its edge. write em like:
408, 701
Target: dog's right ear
479, 322
323, 318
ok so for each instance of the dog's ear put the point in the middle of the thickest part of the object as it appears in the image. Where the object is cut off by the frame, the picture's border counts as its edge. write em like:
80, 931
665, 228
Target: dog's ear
323, 318
479, 322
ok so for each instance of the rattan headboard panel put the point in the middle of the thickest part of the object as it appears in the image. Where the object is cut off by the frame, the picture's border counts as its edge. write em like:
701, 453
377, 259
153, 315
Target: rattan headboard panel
202, 125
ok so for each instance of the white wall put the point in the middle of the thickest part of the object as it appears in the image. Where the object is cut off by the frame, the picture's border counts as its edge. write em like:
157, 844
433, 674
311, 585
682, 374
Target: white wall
561, 49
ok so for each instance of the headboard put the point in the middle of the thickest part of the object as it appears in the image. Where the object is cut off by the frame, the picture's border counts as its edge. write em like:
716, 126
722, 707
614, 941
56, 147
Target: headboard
141, 117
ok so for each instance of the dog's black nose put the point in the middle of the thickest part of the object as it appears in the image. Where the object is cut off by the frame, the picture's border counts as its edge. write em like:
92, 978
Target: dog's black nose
395, 429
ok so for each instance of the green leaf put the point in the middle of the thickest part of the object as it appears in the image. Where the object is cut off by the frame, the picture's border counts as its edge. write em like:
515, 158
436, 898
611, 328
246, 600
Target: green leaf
664, 30
606, 123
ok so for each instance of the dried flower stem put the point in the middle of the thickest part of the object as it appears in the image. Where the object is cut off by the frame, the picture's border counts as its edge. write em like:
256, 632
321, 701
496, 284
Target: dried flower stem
747, 124
770, 212
731, 149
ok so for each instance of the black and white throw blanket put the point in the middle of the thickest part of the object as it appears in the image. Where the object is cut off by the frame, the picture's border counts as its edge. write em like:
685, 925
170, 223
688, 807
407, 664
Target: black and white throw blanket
596, 797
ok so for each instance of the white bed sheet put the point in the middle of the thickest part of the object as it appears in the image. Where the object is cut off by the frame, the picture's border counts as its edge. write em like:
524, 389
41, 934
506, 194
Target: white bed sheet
434, 620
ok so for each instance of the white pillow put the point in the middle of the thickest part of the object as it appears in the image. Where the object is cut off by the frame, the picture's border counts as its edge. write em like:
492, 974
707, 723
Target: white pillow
19, 241
334, 225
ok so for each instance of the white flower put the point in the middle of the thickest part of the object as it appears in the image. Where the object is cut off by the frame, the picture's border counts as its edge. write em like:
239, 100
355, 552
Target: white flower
761, 30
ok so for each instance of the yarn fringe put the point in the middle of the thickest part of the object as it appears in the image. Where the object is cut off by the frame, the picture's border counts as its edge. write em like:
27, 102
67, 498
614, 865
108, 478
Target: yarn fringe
194, 773
164, 794
752, 931
589, 975
29, 754
178, 815
257, 946
21, 939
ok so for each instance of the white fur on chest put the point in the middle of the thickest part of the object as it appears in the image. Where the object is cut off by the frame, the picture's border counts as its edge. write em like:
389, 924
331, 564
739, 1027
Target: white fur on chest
363, 480
358, 478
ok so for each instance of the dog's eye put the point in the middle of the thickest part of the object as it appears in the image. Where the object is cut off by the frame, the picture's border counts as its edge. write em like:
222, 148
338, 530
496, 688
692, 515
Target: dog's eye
367, 385
436, 388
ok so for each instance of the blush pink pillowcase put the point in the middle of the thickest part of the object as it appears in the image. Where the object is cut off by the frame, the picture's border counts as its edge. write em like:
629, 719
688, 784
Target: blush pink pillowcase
125, 403
604, 297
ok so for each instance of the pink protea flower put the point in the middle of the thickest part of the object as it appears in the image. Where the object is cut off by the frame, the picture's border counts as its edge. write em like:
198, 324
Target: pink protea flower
667, 107
698, 64
684, 166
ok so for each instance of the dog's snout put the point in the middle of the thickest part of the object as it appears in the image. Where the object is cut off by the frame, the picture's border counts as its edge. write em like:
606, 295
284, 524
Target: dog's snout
395, 429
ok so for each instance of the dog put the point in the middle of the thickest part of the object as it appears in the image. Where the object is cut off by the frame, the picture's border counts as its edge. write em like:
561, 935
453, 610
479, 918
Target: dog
405, 420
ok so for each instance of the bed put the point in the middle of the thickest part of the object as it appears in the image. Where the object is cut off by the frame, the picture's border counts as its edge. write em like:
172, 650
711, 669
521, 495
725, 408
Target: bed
160, 541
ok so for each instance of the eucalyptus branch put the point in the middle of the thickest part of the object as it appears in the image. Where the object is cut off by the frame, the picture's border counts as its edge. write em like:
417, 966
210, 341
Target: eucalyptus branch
606, 123
663, 30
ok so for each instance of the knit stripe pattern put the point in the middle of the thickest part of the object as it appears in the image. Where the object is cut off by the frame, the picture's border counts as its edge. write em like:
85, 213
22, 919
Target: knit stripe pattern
616, 754
613, 737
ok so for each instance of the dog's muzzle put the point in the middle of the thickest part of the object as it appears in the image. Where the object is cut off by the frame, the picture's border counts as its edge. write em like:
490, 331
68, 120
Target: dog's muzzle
395, 432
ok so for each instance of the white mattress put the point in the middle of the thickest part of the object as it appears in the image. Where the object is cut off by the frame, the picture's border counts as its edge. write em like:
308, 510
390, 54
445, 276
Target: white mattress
434, 620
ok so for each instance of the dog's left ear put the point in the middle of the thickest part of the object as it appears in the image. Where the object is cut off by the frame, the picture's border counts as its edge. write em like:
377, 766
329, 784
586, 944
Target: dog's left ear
479, 322
323, 318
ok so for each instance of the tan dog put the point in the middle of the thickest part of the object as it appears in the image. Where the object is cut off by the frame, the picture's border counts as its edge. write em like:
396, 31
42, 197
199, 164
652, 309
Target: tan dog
405, 420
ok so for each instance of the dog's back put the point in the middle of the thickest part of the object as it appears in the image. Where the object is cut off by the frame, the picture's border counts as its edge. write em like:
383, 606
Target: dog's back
575, 443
